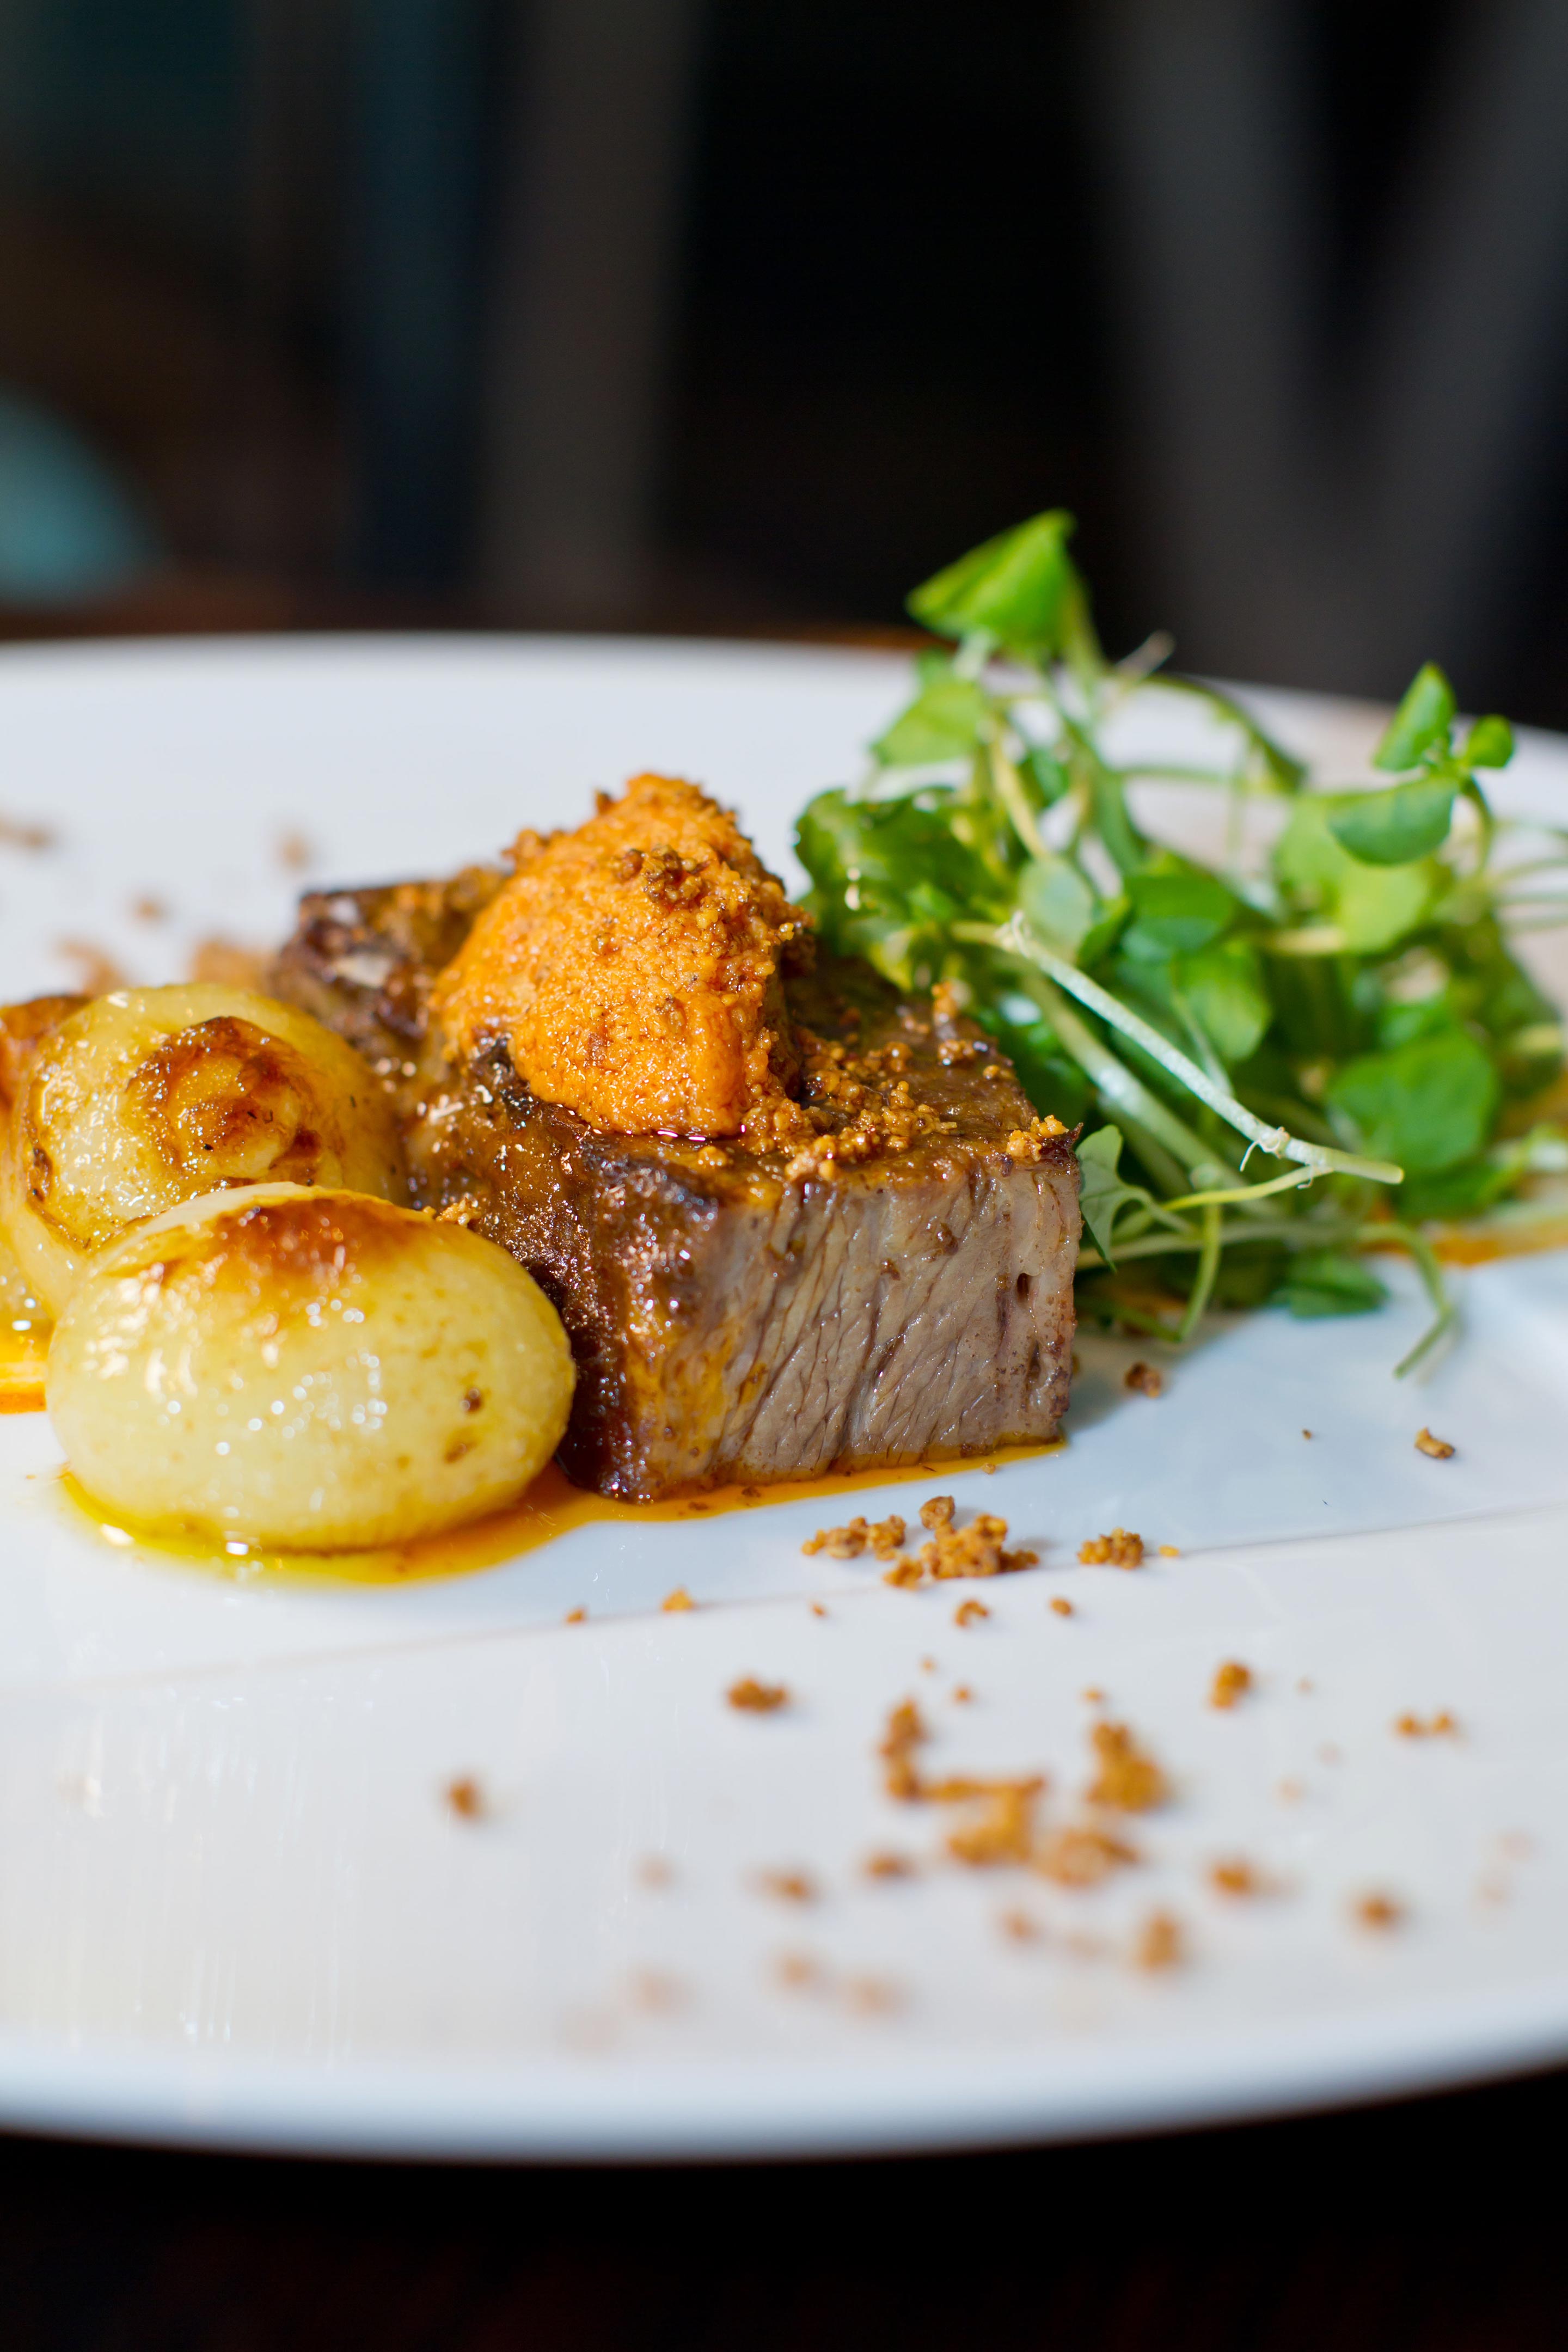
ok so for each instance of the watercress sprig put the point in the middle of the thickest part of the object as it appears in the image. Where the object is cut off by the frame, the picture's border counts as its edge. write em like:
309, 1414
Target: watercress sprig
1343, 1001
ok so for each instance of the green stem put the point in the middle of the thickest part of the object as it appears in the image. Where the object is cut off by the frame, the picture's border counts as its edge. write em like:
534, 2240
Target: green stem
1203, 1282
1016, 939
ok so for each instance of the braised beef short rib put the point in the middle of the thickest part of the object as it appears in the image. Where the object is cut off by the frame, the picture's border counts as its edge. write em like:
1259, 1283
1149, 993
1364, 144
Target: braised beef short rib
735, 1316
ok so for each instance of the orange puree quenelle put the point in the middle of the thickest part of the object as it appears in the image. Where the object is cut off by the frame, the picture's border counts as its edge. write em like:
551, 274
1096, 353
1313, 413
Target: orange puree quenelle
635, 969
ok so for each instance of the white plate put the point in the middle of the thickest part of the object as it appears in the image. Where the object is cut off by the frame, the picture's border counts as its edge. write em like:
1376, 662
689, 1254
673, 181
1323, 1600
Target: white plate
234, 1907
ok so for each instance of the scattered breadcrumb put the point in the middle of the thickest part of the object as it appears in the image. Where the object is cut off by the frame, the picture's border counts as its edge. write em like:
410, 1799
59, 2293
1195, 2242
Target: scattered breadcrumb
1306, 1432
797, 1969
148, 910
1289, 1792
574, 1617
872, 1995
1120, 1548
678, 1599
1170, 1552
1329, 1754
1081, 1856
977, 1549
465, 1798
906, 1733
883, 1539
1003, 1830
1018, 1927
15, 833
1091, 1695
753, 1697
818, 1609
1063, 1608
653, 1989
1236, 1875
962, 1694
1377, 1910
96, 972
1127, 1778
1442, 1725
294, 852
655, 1870
788, 1886
970, 1612
1438, 1448
1160, 1943
889, 1865
1231, 1680
1304, 1683
1144, 1379
228, 963
928, 1667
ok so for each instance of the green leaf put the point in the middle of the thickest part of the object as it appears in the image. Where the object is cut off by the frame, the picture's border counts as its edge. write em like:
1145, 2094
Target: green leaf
1058, 903
890, 876
1488, 744
1222, 985
1421, 722
1102, 1192
942, 723
1428, 1104
1175, 914
1396, 826
1374, 906
1330, 1282
1020, 588
1047, 774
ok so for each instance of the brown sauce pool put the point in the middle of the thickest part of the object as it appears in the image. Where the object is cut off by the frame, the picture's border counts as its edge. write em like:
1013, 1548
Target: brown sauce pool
551, 1507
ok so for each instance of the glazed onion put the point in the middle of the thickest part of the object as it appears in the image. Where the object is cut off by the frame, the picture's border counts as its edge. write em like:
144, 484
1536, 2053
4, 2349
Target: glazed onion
152, 1096
311, 1369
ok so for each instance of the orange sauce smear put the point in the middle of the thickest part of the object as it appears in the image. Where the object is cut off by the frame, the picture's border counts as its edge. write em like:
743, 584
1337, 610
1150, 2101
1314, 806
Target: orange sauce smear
22, 1359
552, 1508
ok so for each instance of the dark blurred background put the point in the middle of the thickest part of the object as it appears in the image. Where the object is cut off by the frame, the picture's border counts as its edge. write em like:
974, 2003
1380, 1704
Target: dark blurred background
742, 315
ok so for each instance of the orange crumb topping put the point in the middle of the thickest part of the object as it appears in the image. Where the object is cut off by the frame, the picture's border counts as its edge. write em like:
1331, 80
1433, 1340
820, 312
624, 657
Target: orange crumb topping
1160, 1943
889, 1865
970, 1612
634, 970
977, 1549
1018, 1927
788, 1886
753, 1697
1003, 1831
1230, 1681
1081, 1856
1144, 1379
1438, 1448
1063, 1607
1236, 1875
1127, 1778
679, 1599
574, 1617
1441, 1725
1120, 1548
882, 1537
1377, 1910
466, 1799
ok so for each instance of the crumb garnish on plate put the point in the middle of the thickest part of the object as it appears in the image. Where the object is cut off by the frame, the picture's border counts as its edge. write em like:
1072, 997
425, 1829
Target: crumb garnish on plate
754, 1697
1231, 1682
1436, 1449
1121, 1549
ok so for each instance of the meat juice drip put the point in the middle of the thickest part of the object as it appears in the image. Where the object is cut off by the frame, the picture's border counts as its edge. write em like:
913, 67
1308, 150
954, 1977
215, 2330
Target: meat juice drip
552, 1508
